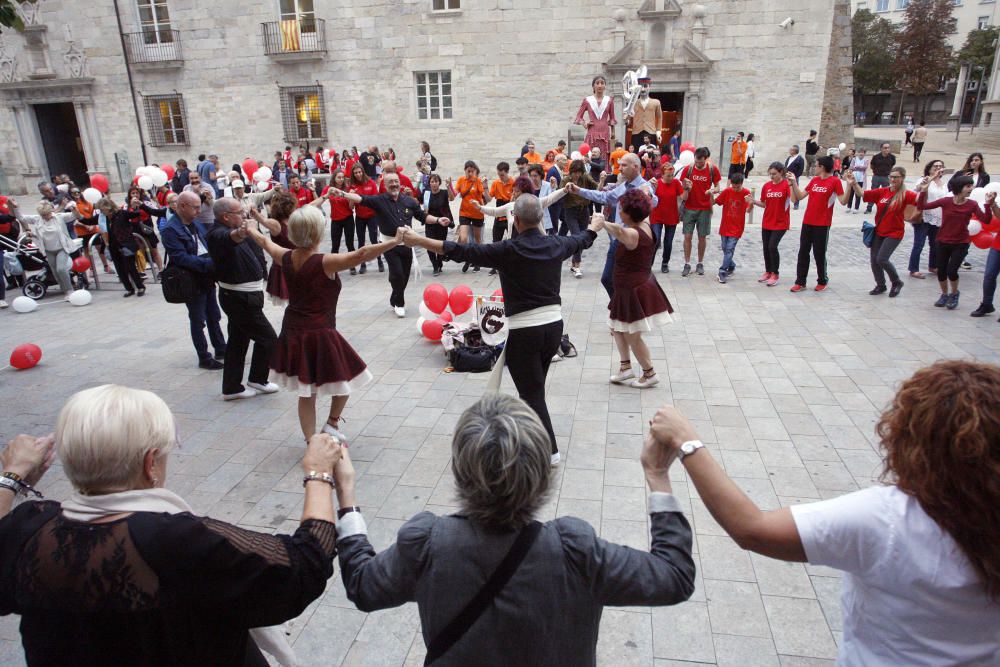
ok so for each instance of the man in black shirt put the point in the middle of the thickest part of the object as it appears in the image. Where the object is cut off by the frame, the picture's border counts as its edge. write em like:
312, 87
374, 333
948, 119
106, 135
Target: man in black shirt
812, 148
530, 266
369, 161
394, 210
795, 164
882, 164
240, 269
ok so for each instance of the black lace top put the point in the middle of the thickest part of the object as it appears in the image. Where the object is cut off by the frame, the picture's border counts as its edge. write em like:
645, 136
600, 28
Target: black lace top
153, 589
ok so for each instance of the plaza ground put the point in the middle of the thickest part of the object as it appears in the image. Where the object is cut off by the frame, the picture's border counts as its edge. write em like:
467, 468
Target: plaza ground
784, 388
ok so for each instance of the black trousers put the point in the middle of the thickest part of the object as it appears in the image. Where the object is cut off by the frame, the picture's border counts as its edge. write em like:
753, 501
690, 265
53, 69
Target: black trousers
918, 148
881, 259
245, 311
770, 238
400, 261
371, 224
529, 355
499, 227
949, 258
339, 228
812, 238
577, 219
127, 270
439, 233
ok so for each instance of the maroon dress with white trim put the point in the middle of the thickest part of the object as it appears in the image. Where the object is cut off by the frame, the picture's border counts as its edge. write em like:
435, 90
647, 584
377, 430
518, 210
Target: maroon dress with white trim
277, 288
638, 303
311, 358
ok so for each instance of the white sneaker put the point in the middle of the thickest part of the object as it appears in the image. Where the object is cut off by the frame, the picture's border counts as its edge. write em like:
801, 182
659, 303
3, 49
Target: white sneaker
556, 458
622, 377
246, 393
269, 388
644, 382
3, 304
579, 273
556, 358
399, 310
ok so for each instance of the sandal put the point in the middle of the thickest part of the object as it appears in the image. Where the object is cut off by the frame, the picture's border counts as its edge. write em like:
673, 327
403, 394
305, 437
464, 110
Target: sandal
917, 274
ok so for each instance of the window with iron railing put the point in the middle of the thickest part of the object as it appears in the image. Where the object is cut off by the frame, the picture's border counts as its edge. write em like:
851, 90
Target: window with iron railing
303, 113
165, 120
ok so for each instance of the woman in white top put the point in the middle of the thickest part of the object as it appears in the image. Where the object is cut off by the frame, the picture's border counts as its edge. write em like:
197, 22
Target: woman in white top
751, 154
859, 167
525, 185
927, 229
49, 231
920, 552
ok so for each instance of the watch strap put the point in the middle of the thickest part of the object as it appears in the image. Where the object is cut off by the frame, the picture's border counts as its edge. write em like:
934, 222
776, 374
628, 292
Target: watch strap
343, 511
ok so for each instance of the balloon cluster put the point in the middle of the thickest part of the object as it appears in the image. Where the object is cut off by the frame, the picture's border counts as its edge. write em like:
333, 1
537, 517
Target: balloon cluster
433, 309
261, 176
150, 177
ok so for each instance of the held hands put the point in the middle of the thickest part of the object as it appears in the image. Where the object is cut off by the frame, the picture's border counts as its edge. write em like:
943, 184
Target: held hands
656, 459
670, 428
572, 188
322, 454
687, 184
596, 223
29, 456
552, 182
749, 199
400, 235
923, 183
444, 222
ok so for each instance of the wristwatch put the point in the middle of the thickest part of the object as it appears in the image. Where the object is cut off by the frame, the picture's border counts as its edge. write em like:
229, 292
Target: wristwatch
690, 447
344, 511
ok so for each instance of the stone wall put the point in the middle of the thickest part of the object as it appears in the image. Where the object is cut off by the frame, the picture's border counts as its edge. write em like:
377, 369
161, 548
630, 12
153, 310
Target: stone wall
519, 67
837, 121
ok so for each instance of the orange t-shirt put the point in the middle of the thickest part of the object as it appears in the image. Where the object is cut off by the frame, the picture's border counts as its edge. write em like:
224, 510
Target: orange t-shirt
470, 189
86, 209
533, 158
502, 191
617, 155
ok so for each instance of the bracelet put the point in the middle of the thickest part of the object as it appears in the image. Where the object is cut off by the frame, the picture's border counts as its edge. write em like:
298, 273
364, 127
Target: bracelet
314, 476
11, 475
343, 511
18, 486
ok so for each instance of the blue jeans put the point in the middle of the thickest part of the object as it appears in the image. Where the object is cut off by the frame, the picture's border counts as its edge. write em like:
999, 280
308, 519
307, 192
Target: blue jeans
609, 268
728, 249
202, 310
923, 232
668, 242
990, 276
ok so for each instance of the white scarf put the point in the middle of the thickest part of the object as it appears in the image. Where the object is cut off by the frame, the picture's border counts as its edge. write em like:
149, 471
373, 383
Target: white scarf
88, 508
598, 110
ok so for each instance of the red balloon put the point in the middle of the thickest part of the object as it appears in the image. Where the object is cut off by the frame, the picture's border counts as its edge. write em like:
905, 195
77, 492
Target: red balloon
250, 167
687, 146
983, 240
460, 299
81, 265
584, 148
433, 329
25, 356
992, 226
436, 297
446, 317
135, 180
168, 169
99, 182
498, 295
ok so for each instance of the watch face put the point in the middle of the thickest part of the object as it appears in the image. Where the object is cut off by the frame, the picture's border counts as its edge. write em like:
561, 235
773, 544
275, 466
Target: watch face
687, 448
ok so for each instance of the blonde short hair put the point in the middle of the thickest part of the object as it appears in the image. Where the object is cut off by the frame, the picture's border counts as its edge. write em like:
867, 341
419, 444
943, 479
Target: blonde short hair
103, 435
44, 207
305, 227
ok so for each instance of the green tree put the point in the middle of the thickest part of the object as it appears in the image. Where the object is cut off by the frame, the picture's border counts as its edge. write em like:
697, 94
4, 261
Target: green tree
923, 55
9, 16
872, 40
979, 48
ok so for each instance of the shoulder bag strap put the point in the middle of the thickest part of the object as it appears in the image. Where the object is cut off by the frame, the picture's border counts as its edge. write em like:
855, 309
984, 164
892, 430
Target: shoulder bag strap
464, 620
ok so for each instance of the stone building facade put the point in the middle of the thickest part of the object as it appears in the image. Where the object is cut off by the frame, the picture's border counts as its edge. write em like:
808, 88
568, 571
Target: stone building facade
475, 78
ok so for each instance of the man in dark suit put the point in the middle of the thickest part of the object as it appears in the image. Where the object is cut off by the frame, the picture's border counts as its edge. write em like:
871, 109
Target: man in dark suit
795, 164
184, 239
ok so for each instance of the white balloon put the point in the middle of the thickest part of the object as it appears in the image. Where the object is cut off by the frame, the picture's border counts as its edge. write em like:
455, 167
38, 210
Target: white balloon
420, 325
426, 312
145, 182
576, 155
92, 195
80, 297
975, 227
24, 304
63, 187
262, 174
992, 187
262, 186
159, 178
842, 146
145, 171
685, 158
978, 195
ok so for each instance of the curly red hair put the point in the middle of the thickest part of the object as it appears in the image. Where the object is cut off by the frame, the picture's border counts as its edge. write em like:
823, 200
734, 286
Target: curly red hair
636, 204
942, 441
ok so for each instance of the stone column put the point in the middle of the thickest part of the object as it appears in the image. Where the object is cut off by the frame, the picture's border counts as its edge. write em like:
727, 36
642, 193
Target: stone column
90, 137
836, 122
956, 106
30, 151
690, 120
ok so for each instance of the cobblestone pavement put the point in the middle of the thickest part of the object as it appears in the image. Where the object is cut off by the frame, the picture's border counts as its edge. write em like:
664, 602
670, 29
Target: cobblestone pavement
785, 389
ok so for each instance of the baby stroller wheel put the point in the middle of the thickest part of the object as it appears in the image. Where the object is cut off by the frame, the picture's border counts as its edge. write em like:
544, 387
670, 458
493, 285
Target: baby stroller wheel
35, 288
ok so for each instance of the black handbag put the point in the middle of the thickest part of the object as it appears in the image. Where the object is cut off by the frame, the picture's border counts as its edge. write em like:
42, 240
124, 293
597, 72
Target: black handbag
472, 359
179, 285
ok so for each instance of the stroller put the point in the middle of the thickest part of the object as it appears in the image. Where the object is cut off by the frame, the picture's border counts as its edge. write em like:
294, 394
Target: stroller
30, 269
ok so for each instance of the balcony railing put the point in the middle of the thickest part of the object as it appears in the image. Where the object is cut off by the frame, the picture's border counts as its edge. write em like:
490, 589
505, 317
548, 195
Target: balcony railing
304, 36
154, 47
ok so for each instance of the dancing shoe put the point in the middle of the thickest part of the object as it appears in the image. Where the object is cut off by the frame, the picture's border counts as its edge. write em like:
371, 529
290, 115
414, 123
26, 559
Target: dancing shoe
329, 429
797, 288
764, 278
700, 269
896, 289
942, 301
953, 301
555, 459
399, 310
686, 271
622, 376
773, 280
210, 365
878, 290
644, 382
3, 304
267, 388
363, 269
820, 288
982, 311
246, 393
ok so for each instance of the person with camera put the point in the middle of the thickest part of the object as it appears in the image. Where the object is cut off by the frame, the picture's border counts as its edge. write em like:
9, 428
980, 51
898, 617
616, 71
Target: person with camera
184, 239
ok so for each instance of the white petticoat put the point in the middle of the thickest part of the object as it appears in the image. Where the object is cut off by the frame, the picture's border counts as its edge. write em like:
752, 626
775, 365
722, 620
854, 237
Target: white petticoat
291, 383
641, 326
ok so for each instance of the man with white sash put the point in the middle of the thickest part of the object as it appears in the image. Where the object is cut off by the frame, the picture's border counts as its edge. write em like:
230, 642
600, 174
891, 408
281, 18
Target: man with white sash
394, 210
530, 273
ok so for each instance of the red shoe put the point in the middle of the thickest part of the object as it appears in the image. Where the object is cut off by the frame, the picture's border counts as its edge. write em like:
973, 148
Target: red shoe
773, 280
797, 288
764, 278
820, 288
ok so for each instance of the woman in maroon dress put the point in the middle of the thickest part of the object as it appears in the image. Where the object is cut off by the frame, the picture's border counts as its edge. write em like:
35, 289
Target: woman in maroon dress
311, 358
638, 303
281, 206
601, 109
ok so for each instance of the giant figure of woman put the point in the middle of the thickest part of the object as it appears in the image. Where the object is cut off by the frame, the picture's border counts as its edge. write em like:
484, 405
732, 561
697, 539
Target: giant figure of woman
601, 110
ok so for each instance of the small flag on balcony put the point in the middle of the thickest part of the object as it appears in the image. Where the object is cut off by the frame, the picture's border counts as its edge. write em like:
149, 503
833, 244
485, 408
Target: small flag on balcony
290, 40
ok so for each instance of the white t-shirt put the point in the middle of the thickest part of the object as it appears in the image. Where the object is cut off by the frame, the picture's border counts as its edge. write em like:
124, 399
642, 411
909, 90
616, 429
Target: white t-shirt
910, 596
